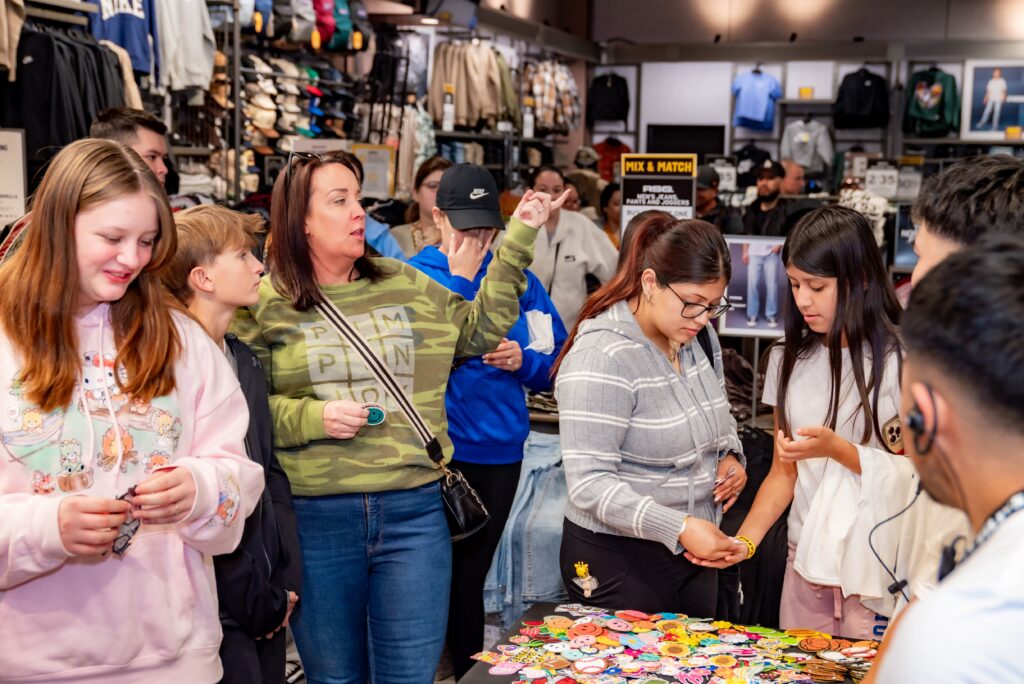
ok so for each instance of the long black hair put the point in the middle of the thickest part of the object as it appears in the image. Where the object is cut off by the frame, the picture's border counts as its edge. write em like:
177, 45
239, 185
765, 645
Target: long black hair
836, 242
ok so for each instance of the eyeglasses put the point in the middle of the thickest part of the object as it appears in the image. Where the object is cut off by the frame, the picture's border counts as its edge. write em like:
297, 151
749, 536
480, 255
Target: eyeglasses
300, 156
694, 310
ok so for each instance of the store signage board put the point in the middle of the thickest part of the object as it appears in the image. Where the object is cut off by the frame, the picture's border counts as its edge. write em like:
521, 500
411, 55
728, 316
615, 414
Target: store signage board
666, 182
378, 169
12, 175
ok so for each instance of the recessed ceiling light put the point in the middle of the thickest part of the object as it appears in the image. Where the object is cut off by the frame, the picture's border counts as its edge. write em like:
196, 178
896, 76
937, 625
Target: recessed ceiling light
430, 21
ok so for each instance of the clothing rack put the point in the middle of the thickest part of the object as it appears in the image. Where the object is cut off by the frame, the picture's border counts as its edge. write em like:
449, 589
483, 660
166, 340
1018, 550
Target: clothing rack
47, 11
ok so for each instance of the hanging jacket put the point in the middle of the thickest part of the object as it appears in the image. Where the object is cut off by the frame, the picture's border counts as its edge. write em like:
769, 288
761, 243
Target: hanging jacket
253, 581
487, 416
933, 107
187, 45
862, 101
607, 99
131, 26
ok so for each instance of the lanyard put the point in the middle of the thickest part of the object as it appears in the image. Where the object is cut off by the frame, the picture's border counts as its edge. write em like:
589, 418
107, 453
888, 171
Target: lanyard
1014, 504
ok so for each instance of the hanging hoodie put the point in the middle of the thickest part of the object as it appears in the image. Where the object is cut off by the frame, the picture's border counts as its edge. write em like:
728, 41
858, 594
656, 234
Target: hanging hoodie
933, 106
607, 99
187, 45
487, 416
862, 101
132, 25
150, 614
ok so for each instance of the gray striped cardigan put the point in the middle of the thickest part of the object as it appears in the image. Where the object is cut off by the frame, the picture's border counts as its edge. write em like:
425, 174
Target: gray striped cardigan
640, 442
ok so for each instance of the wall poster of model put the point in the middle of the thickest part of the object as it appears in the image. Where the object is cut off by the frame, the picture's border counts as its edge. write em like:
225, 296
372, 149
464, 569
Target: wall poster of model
993, 98
757, 290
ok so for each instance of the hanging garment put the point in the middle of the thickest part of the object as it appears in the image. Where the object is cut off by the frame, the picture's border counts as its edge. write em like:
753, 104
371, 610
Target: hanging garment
607, 99
325, 23
12, 16
133, 26
862, 101
933, 106
755, 94
749, 159
64, 78
509, 100
609, 151
132, 97
186, 44
808, 143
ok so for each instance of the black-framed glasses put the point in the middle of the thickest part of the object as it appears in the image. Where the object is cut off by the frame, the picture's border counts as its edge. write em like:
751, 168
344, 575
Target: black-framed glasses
694, 310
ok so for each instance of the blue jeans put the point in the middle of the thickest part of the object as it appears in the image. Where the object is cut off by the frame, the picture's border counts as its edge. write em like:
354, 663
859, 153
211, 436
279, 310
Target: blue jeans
767, 264
376, 578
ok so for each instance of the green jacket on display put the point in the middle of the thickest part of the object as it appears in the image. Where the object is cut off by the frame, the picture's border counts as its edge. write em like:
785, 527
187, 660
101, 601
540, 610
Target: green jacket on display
933, 105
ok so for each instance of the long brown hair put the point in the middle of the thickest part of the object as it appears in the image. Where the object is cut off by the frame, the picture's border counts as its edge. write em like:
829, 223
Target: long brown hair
40, 282
690, 251
288, 258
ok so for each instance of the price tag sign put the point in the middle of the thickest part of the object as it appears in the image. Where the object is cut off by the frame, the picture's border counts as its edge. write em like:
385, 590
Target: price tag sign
12, 175
884, 182
448, 109
910, 180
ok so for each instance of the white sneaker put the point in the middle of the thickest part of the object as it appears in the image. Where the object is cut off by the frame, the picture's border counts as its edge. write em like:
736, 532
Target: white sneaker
772, 323
751, 322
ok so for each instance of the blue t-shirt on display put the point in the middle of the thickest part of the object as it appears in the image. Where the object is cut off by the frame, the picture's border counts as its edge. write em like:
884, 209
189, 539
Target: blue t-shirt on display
755, 100
130, 24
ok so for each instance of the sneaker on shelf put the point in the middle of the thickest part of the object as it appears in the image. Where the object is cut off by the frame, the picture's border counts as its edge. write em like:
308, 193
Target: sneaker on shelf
772, 323
751, 322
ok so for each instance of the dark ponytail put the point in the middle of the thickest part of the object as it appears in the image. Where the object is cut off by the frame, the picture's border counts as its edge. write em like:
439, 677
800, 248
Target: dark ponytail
690, 251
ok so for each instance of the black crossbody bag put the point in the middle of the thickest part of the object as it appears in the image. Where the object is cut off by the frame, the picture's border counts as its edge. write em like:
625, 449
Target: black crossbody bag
463, 508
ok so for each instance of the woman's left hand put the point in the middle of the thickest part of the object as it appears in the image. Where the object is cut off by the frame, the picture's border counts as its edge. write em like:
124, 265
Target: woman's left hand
508, 356
730, 480
165, 497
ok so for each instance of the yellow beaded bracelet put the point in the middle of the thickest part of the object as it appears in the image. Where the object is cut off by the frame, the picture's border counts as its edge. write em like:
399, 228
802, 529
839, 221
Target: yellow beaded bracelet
751, 547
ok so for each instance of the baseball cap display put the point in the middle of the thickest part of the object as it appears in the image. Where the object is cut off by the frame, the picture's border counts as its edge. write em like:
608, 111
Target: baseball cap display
707, 177
469, 197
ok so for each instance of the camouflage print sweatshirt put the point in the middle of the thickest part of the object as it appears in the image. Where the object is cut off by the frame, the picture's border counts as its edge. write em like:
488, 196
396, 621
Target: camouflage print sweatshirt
417, 326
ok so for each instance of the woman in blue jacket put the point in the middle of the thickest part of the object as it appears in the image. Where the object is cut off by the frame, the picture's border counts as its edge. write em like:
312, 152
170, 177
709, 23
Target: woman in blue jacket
488, 421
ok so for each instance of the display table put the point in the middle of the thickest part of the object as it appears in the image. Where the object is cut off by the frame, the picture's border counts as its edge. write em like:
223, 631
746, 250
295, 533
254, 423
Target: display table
555, 644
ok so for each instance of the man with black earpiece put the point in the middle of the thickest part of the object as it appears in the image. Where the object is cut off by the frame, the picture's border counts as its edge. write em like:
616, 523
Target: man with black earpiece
963, 407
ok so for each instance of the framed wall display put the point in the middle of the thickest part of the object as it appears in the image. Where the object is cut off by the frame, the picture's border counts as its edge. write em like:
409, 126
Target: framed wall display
759, 289
993, 98
378, 169
12, 175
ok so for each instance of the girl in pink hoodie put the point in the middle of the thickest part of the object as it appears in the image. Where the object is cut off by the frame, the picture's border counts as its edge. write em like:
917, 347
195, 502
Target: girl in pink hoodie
121, 429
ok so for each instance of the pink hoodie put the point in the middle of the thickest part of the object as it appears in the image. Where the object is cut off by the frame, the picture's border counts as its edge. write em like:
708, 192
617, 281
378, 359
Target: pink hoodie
151, 615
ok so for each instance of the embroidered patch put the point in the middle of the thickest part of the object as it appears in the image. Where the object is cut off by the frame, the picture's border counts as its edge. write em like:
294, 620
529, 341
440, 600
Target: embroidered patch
893, 433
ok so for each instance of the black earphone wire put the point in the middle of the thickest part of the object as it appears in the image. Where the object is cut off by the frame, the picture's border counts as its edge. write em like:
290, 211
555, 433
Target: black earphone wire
897, 584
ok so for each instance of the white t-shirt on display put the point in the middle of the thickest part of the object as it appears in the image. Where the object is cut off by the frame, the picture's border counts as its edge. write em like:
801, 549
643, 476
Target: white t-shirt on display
970, 628
996, 90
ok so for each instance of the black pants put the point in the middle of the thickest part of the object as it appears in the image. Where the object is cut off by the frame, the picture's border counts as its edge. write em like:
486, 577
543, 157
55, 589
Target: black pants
471, 559
636, 574
251, 661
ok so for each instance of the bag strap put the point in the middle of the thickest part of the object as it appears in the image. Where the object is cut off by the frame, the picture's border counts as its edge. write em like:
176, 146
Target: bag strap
382, 373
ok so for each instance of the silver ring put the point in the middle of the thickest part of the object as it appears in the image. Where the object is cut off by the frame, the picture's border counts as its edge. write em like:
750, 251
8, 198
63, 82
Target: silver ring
510, 360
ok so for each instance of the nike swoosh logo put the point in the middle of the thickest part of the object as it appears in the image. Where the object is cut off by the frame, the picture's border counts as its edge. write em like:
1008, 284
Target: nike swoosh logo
477, 194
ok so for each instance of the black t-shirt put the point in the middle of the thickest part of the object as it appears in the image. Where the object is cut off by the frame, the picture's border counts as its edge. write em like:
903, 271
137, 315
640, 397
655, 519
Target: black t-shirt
726, 219
771, 223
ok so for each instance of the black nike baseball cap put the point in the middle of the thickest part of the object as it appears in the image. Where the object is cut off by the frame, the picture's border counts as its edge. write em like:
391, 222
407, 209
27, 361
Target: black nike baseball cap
469, 196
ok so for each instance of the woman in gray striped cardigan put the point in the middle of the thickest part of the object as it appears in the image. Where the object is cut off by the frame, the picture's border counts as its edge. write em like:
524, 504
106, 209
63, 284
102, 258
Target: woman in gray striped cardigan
649, 447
